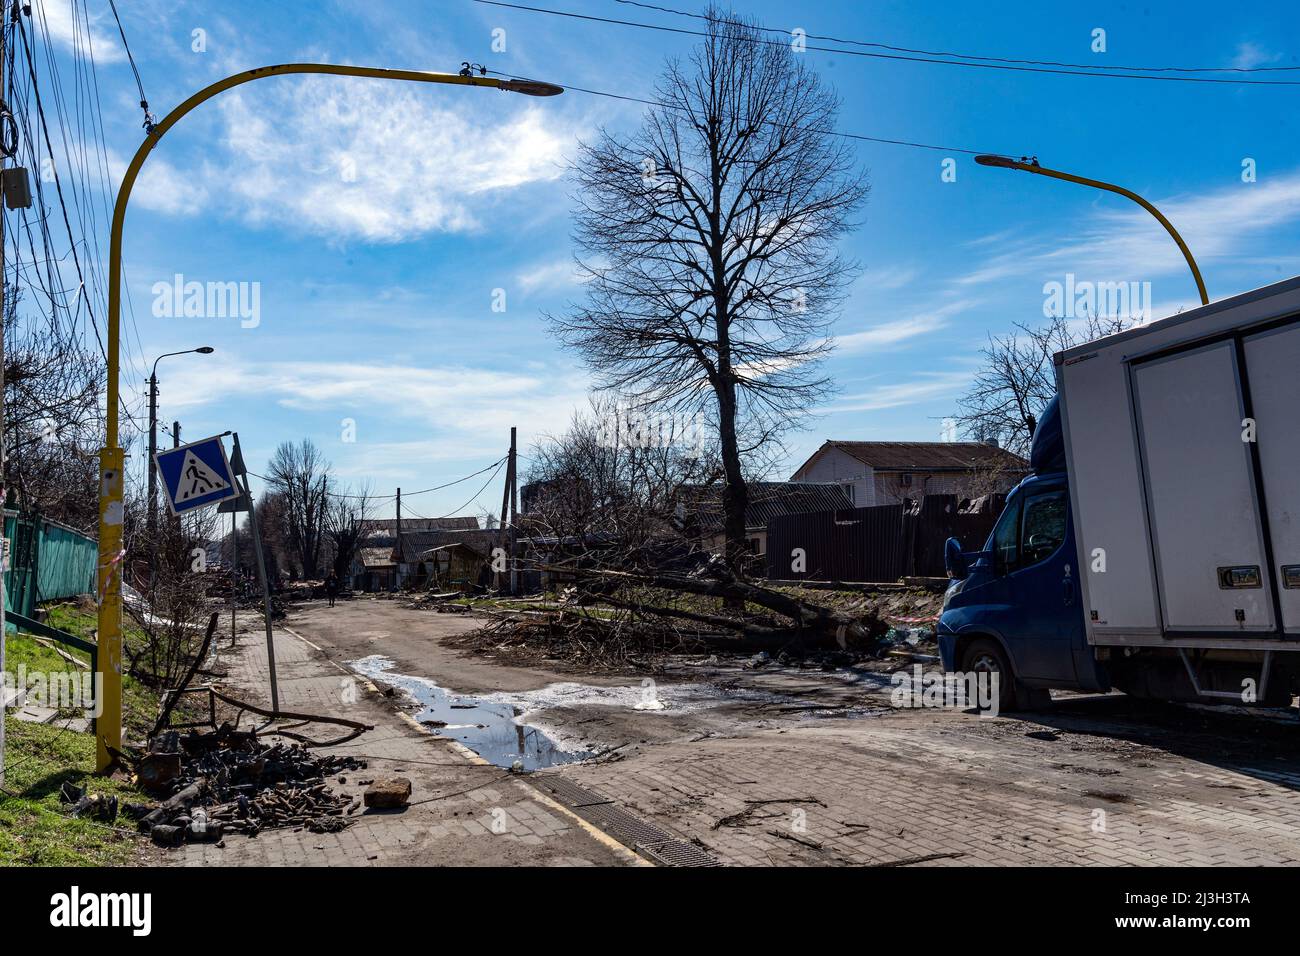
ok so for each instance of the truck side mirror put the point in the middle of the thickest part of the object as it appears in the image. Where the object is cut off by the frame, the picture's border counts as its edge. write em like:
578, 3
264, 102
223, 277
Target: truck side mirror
953, 559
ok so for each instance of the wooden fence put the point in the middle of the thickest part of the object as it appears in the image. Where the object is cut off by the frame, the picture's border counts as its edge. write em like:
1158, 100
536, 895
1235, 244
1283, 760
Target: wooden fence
878, 544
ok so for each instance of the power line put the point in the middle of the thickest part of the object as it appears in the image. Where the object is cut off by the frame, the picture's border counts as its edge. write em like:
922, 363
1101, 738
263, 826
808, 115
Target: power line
970, 56
406, 494
477, 493
945, 61
860, 137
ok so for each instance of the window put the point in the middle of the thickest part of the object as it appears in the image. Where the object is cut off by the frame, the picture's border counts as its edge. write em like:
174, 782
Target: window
1044, 527
1004, 539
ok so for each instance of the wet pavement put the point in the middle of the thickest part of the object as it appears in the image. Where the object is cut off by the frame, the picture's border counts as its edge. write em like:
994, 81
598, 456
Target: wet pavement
488, 727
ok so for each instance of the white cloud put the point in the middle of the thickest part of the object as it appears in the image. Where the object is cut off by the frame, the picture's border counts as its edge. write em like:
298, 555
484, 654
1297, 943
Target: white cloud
56, 18
474, 406
1250, 55
886, 278
561, 274
925, 387
361, 159
889, 333
163, 188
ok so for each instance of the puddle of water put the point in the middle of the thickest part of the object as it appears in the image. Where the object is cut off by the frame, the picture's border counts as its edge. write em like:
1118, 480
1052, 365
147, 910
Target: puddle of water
498, 726
486, 726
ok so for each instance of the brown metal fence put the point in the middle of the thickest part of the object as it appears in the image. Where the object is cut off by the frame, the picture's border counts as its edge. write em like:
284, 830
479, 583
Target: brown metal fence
876, 544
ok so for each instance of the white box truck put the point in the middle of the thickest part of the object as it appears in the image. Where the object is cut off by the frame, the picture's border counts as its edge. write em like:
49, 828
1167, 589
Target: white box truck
1156, 545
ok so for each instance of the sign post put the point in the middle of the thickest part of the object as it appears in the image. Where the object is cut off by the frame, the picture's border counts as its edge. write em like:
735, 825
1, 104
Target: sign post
246, 501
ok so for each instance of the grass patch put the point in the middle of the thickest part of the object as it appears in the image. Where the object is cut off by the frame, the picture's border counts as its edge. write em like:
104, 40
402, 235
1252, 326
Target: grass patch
140, 704
35, 828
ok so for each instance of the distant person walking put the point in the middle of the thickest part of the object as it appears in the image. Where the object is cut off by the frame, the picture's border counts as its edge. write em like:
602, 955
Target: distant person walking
332, 587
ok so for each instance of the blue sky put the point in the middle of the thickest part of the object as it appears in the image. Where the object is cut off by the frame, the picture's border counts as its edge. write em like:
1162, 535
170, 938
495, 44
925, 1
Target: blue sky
377, 288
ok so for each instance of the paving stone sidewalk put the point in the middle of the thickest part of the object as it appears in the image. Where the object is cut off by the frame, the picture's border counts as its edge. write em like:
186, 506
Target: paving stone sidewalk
461, 812
941, 788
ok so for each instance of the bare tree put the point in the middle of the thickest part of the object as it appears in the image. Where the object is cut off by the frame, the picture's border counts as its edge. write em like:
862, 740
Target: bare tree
709, 237
300, 474
347, 513
1017, 380
175, 586
615, 496
53, 422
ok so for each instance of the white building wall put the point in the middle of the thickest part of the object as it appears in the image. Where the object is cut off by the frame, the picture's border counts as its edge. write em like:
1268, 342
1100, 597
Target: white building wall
890, 492
842, 468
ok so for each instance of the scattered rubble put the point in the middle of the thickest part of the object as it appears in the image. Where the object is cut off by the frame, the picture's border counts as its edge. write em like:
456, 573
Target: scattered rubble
230, 781
95, 806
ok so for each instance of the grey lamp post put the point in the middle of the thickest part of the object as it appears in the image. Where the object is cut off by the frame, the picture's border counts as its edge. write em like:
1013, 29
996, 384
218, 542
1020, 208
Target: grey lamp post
153, 433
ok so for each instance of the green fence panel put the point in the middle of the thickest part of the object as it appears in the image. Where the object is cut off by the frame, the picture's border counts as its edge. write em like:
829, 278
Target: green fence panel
47, 561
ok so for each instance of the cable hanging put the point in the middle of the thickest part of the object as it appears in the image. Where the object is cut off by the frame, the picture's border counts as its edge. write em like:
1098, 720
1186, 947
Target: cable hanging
150, 121
938, 59
968, 56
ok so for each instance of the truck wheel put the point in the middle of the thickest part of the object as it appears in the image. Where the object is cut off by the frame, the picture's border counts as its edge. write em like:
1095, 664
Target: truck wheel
985, 656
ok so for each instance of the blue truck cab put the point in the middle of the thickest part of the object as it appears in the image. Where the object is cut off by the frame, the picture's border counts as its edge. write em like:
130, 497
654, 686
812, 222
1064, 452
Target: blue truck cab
1014, 608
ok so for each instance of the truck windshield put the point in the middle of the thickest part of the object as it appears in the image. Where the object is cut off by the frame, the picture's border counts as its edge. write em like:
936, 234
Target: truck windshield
1005, 536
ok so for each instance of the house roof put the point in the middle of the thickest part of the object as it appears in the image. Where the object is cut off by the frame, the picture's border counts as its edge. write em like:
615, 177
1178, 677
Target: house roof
465, 523
770, 499
416, 544
923, 455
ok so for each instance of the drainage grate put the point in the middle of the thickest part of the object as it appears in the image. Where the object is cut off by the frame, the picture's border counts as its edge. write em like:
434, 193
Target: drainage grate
645, 838
679, 853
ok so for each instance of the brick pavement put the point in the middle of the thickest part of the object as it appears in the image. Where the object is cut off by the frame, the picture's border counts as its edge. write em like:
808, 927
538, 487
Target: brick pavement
961, 790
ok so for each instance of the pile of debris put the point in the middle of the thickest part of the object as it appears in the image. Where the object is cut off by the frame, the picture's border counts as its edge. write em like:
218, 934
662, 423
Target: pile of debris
228, 781
444, 602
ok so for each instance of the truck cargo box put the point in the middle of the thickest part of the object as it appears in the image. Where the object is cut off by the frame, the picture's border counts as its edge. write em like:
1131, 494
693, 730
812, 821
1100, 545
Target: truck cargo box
1182, 442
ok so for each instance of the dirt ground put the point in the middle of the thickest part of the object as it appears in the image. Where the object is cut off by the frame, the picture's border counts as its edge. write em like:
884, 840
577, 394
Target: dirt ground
803, 766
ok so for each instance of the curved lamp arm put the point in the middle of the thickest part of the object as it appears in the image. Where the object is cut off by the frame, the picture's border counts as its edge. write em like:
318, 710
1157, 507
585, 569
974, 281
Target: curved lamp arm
529, 87
1006, 162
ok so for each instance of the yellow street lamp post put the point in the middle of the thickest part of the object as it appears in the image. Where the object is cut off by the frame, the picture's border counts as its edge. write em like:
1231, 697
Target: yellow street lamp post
1031, 166
108, 726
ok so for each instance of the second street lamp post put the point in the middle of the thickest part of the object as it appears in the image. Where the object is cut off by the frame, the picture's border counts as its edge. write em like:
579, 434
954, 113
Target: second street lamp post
108, 727
152, 522
1030, 165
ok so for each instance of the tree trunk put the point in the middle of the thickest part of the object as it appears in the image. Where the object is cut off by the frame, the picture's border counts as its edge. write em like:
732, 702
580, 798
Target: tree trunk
826, 624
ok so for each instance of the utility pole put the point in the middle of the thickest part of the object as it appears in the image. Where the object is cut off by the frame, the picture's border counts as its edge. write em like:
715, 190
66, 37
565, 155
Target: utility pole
501, 551
397, 574
514, 518
176, 434
152, 523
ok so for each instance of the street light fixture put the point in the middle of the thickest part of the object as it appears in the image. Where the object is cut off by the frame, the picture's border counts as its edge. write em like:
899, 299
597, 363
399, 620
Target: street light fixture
108, 727
152, 522
1029, 164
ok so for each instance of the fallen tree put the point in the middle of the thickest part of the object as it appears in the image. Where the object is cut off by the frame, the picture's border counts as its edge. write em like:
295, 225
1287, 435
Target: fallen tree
816, 624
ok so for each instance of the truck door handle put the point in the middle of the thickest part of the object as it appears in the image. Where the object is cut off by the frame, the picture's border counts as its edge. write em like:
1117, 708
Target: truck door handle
1068, 591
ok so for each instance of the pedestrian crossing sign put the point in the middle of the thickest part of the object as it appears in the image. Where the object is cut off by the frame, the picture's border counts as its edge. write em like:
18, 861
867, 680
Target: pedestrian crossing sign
196, 475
